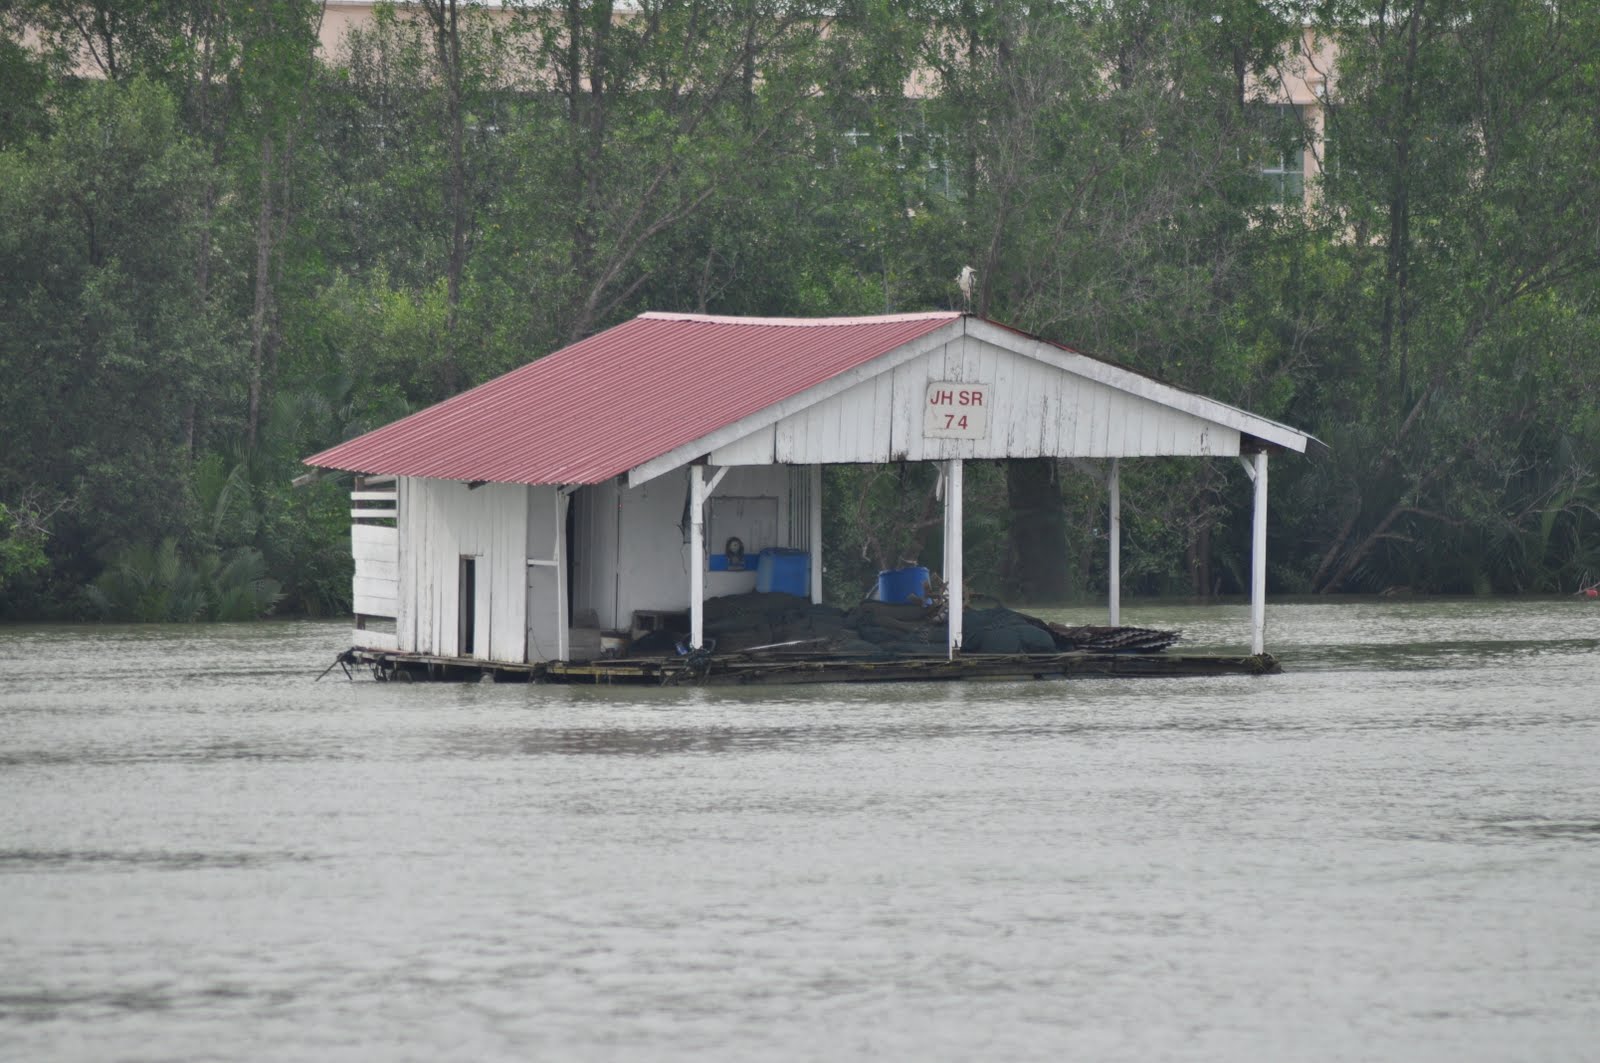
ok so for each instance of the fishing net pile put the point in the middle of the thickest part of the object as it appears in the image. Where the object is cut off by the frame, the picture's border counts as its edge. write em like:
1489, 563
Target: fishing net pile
782, 623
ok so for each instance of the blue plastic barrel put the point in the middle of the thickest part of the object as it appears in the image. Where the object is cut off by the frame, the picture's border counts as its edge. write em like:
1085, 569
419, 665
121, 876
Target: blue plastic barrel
902, 584
784, 571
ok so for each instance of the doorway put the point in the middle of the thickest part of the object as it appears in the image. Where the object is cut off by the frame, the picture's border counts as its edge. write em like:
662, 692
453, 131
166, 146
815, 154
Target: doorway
467, 603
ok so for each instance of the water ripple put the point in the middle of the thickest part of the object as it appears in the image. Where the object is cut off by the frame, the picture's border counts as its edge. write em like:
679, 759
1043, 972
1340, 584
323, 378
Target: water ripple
157, 860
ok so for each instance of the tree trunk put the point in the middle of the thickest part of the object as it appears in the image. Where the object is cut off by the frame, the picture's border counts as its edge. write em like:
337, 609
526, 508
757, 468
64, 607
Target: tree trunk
1397, 296
446, 17
208, 206
263, 295
1038, 536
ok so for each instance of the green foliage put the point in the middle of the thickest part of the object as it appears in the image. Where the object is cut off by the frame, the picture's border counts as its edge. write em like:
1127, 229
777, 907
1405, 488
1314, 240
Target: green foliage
23, 80
21, 547
226, 251
890, 518
1464, 230
103, 350
158, 584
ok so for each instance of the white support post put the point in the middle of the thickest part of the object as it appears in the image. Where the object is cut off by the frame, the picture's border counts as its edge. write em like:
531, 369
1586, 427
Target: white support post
816, 534
1258, 558
697, 553
563, 631
1114, 534
952, 551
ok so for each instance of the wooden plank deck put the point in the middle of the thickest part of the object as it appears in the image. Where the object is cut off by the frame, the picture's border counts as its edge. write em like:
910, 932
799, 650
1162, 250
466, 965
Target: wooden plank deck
735, 670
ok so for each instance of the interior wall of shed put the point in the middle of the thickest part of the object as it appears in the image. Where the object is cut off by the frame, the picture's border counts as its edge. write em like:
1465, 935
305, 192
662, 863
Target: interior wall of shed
630, 548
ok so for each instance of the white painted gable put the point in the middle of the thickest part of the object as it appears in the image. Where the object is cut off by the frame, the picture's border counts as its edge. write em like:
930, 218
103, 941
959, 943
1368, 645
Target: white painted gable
997, 403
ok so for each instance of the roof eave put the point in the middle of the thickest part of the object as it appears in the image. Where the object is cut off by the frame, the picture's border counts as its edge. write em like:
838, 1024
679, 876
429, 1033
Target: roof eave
1146, 387
693, 450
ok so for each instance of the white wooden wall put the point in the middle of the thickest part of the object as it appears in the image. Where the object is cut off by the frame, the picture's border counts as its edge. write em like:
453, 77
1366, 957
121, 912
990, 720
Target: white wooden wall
546, 554
375, 587
629, 551
1035, 410
440, 522
375, 548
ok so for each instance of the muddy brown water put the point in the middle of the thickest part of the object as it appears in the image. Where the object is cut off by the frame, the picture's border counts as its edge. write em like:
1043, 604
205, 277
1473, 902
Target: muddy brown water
1390, 851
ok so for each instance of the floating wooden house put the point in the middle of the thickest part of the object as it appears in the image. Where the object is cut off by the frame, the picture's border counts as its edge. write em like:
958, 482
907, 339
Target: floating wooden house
604, 486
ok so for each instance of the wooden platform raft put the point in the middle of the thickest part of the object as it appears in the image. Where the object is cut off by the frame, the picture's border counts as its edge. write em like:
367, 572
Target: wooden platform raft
737, 670
777, 638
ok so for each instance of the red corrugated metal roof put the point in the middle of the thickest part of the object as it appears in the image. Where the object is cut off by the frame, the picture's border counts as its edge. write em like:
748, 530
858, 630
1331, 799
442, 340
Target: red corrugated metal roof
622, 397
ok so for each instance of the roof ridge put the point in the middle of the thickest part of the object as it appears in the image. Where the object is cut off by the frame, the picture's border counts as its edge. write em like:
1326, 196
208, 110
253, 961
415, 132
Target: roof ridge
801, 322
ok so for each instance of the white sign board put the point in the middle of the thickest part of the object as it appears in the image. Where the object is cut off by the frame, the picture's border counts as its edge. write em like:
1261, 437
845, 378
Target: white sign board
956, 411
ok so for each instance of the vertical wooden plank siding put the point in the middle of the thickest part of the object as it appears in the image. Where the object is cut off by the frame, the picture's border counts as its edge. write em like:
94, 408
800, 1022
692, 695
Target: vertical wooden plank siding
545, 576
797, 521
508, 572
882, 427
850, 422
405, 622
374, 547
1047, 406
757, 448
1059, 417
441, 521
1019, 405
909, 383
1035, 409
490, 593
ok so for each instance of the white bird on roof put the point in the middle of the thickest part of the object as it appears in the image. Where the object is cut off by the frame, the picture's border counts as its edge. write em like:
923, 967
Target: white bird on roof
964, 281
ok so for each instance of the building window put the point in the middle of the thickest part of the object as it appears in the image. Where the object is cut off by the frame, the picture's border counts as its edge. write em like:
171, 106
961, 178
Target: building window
1282, 160
858, 138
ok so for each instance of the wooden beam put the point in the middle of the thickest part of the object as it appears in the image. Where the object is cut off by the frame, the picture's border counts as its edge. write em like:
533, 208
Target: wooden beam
317, 475
807, 668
